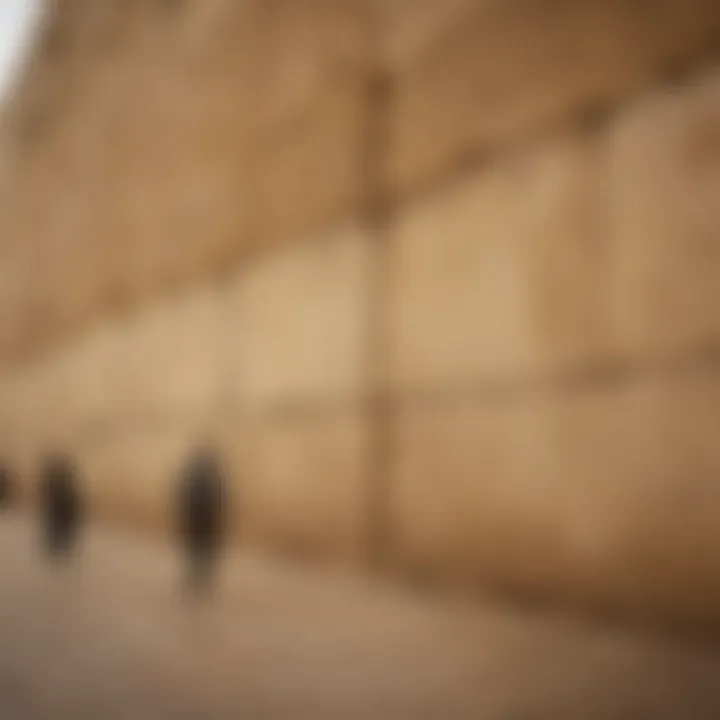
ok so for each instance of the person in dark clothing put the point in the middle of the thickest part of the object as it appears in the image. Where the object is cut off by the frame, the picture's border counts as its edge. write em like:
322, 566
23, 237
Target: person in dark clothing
201, 510
6, 487
61, 507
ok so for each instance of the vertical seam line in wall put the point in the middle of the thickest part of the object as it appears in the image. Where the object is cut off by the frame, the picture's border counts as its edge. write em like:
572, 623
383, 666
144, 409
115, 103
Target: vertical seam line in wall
378, 496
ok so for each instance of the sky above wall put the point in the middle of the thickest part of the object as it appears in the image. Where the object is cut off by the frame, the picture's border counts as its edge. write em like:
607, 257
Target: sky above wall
17, 20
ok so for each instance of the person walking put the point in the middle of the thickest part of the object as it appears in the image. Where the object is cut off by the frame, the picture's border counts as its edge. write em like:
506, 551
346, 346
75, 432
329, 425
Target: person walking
60, 506
6, 486
201, 514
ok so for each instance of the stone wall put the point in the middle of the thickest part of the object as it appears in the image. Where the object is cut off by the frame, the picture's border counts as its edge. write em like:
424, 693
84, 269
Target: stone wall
439, 278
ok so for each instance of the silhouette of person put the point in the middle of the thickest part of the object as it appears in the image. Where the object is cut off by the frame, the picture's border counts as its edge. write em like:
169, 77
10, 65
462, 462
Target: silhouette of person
61, 506
6, 486
201, 501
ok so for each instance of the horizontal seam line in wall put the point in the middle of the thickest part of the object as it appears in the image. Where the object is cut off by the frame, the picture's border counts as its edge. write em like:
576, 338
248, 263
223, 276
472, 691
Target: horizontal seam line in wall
609, 372
479, 156
604, 373
475, 160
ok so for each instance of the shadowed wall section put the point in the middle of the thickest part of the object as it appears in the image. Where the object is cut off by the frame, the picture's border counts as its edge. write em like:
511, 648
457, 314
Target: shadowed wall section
440, 278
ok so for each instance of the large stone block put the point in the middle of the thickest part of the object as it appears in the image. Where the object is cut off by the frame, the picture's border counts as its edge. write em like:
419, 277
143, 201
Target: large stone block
473, 497
645, 535
410, 29
31, 399
6, 403
68, 271
48, 396
460, 305
177, 167
25, 431
185, 362
665, 215
27, 230
134, 354
310, 176
80, 379
302, 50
14, 287
298, 319
603, 495
572, 256
503, 273
131, 475
54, 216
15, 410
24, 459
502, 72
170, 356
298, 482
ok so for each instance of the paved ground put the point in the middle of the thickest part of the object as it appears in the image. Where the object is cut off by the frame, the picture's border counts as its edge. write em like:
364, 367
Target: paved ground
110, 637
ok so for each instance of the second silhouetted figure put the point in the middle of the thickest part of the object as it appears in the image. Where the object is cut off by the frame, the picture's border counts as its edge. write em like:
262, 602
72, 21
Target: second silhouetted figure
201, 516
6, 487
61, 506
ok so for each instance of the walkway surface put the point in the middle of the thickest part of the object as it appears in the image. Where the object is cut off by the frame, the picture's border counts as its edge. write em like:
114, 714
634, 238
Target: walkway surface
111, 637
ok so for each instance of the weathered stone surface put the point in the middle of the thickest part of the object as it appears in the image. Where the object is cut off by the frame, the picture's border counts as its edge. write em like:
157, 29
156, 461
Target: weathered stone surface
14, 291
164, 157
25, 429
24, 293
505, 272
177, 168
310, 176
461, 303
51, 386
299, 482
137, 158
14, 408
571, 254
496, 515
410, 29
298, 320
641, 461
28, 394
503, 71
169, 356
79, 382
302, 51
131, 475
665, 214
604, 495
201, 133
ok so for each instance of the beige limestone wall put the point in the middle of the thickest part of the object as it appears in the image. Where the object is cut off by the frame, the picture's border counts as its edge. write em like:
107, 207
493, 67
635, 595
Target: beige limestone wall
299, 320
555, 363
299, 483
439, 278
476, 76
